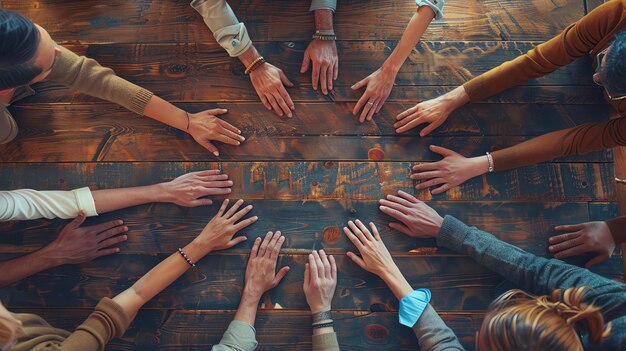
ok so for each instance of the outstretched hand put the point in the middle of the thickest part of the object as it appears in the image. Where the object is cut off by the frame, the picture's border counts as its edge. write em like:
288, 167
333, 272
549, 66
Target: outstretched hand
218, 233
415, 218
453, 170
205, 126
583, 238
261, 273
375, 258
378, 87
269, 83
323, 55
320, 281
191, 189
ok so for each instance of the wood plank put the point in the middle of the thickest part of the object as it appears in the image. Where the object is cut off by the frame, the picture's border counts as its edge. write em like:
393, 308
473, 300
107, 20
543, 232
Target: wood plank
217, 281
309, 225
202, 71
199, 330
312, 181
327, 118
98, 137
171, 21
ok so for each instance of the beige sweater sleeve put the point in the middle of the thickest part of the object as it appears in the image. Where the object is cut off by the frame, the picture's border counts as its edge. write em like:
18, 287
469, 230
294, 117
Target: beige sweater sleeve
87, 76
26, 204
108, 321
325, 342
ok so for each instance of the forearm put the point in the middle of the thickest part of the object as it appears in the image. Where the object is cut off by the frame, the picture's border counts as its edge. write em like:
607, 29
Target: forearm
324, 20
114, 199
247, 307
433, 334
167, 113
22, 267
396, 282
158, 278
411, 36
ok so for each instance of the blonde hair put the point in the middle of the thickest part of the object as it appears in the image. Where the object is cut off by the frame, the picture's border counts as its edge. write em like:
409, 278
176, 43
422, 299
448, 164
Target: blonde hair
520, 321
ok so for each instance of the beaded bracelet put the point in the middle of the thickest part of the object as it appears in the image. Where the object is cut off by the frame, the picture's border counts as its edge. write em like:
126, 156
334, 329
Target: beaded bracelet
322, 325
324, 37
254, 65
180, 251
490, 160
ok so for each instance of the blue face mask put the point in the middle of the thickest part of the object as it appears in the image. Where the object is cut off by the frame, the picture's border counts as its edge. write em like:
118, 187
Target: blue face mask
599, 59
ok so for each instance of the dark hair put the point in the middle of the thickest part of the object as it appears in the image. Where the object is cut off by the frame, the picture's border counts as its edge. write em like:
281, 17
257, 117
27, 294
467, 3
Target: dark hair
19, 40
613, 75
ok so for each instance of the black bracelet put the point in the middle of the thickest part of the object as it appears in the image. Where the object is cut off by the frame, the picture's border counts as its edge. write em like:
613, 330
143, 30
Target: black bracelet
180, 251
322, 325
321, 316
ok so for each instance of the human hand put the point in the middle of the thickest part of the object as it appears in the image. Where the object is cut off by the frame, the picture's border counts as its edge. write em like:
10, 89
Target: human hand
417, 219
453, 170
582, 238
218, 233
269, 81
190, 189
433, 112
378, 87
323, 54
261, 273
375, 257
205, 126
320, 281
76, 244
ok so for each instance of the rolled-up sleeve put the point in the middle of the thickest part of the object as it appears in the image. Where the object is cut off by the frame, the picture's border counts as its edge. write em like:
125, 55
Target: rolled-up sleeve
231, 34
26, 204
435, 5
239, 336
323, 5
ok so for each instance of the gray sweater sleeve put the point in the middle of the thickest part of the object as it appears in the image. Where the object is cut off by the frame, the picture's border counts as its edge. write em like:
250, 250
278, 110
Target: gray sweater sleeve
433, 334
534, 274
239, 336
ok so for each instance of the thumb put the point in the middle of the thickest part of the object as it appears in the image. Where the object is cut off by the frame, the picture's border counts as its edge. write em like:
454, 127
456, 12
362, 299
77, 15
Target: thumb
306, 62
356, 259
236, 241
209, 146
598, 259
78, 221
284, 79
280, 275
217, 111
360, 84
442, 151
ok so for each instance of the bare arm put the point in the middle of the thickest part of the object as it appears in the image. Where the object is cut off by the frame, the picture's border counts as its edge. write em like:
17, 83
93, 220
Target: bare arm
379, 84
217, 235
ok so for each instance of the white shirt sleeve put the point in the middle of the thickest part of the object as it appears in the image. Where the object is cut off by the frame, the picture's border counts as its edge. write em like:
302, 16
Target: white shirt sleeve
231, 34
26, 204
436, 5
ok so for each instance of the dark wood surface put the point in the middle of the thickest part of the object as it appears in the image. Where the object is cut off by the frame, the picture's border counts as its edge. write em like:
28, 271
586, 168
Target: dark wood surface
306, 176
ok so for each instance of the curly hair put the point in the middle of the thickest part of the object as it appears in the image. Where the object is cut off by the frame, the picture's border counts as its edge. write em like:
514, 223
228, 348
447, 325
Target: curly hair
519, 321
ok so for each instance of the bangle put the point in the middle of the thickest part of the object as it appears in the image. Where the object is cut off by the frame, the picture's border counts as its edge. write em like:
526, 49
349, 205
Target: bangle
187, 113
321, 316
320, 36
322, 325
490, 160
180, 251
254, 64
325, 32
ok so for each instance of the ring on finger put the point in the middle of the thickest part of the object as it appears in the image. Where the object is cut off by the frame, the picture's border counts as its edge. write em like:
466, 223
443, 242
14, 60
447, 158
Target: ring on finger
370, 103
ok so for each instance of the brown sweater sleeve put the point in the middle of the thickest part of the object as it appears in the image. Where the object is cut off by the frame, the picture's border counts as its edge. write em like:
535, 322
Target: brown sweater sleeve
575, 140
87, 76
108, 321
575, 41
617, 226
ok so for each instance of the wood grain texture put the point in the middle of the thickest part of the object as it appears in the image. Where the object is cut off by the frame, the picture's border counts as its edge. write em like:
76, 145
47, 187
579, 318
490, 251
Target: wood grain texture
325, 118
177, 330
313, 181
175, 21
217, 281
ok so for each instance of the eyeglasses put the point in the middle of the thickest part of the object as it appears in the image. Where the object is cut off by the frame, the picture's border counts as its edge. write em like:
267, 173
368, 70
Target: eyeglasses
599, 59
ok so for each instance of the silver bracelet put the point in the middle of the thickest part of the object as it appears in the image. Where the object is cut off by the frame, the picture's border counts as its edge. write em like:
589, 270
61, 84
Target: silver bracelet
490, 160
321, 316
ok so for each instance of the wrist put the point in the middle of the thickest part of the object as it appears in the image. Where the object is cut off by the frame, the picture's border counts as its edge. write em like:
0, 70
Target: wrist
391, 65
324, 20
50, 255
160, 192
249, 56
456, 98
317, 309
250, 294
196, 250
479, 165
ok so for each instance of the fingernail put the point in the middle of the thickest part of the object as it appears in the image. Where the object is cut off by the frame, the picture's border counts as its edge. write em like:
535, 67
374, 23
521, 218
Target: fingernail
255, 218
238, 143
125, 229
117, 250
229, 190
551, 248
243, 138
238, 131
125, 237
216, 153
288, 268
